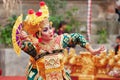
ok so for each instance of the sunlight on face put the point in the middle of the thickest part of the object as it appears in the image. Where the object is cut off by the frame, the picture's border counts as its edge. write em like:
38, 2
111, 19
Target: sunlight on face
47, 32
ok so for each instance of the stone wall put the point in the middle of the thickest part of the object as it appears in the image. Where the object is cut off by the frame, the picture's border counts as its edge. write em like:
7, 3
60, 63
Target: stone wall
103, 15
12, 64
2, 61
102, 11
99, 8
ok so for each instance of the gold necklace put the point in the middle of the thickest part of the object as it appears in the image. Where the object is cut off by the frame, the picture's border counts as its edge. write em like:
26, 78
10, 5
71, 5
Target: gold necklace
47, 46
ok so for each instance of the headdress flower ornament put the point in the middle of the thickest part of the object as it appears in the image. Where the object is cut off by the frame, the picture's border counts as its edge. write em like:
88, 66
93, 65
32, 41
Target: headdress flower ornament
35, 20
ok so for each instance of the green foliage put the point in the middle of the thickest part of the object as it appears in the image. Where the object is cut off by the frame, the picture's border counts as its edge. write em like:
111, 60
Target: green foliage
69, 28
56, 20
102, 36
6, 32
54, 7
70, 16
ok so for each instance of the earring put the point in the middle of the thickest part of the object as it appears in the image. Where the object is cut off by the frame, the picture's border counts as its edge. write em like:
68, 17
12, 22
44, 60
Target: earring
39, 38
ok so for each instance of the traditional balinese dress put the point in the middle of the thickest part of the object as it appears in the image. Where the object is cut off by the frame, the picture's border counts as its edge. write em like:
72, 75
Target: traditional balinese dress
47, 61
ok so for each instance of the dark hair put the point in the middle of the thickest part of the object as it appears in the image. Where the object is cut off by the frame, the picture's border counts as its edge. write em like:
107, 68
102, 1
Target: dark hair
37, 34
61, 24
118, 37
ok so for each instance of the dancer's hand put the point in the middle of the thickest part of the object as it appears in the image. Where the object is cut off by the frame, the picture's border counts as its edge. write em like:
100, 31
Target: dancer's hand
99, 50
23, 35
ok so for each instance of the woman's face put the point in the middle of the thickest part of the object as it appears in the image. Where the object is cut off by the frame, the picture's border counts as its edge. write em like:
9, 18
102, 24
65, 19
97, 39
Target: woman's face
118, 41
47, 32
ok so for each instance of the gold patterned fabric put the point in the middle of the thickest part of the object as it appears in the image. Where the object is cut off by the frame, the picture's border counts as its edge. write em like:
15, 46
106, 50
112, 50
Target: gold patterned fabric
54, 64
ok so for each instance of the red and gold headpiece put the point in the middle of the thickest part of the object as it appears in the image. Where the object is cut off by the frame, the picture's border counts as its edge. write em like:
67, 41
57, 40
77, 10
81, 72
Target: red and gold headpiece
35, 20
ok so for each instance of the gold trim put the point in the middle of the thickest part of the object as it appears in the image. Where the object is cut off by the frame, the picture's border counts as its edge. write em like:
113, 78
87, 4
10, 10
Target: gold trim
55, 69
15, 27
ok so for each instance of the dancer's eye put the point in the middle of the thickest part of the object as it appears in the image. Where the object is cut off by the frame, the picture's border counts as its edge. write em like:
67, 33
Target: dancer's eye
45, 30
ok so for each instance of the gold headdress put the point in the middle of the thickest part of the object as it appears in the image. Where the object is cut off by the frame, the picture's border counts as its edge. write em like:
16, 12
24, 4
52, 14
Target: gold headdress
35, 21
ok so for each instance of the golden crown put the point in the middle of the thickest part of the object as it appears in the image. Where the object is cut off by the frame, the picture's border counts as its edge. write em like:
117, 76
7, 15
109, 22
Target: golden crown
35, 20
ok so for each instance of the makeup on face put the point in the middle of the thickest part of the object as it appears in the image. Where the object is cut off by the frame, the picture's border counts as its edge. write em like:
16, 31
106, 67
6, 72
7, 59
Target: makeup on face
47, 27
47, 32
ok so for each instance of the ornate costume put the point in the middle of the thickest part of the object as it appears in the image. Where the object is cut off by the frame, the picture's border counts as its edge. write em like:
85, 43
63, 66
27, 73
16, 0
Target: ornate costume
51, 64
46, 59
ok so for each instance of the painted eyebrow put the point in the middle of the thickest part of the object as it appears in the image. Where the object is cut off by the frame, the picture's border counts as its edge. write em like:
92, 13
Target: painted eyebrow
45, 28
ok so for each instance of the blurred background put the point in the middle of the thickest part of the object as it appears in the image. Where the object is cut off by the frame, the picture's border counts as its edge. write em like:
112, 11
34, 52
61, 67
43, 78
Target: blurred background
105, 26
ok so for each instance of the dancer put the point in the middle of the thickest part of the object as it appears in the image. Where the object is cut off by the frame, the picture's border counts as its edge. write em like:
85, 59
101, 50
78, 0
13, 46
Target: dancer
45, 49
